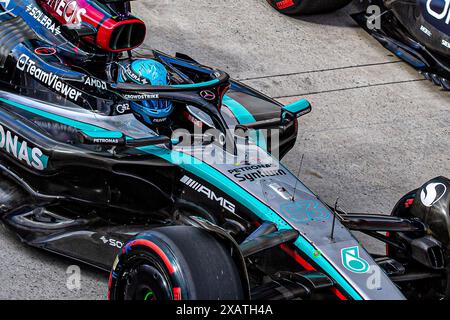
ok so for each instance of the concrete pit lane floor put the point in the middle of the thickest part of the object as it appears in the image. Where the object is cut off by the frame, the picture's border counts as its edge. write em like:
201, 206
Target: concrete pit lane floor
377, 130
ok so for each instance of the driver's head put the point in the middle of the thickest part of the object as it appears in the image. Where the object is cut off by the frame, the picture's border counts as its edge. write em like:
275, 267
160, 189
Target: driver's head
148, 72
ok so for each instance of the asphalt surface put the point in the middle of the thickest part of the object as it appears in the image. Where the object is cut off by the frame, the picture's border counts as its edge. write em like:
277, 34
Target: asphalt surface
377, 131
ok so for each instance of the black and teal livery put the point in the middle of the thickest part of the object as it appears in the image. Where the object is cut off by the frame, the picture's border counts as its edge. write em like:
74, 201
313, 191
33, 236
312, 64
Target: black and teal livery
221, 218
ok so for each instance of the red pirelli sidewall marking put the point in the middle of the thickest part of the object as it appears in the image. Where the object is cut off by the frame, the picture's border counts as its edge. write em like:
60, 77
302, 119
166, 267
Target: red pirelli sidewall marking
176, 293
156, 249
285, 4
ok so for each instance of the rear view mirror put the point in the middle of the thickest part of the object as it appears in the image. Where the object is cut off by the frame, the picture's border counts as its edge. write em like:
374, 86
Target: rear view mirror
293, 110
297, 109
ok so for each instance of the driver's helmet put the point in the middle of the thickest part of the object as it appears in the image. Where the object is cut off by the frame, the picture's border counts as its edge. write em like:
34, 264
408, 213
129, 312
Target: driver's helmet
148, 72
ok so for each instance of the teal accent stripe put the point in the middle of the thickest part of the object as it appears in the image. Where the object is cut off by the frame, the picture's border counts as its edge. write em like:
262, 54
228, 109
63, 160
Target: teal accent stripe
218, 179
196, 85
297, 106
240, 112
69, 122
244, 116
104, 134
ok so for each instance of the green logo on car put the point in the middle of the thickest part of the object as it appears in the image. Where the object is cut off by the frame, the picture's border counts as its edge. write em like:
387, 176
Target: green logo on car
352, 261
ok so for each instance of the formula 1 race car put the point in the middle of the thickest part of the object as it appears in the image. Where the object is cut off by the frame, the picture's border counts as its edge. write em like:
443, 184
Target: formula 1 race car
416, 31
89, 172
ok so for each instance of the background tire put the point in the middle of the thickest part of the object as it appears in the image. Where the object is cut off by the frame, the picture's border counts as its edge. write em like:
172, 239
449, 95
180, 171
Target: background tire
296, 7
175, 263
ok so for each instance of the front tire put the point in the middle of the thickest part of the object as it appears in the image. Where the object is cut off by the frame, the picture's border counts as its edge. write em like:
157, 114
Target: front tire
175, 263
297, 7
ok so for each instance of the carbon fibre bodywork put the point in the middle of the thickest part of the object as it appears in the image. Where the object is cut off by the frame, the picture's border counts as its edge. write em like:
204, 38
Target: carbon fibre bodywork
417, 32
174, 177
82, 175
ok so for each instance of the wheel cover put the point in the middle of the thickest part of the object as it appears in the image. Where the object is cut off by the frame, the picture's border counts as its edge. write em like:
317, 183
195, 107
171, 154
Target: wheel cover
147, 282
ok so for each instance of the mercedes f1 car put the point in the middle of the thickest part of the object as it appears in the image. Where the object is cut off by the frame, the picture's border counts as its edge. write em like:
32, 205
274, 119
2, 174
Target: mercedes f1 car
416, 31
208, 213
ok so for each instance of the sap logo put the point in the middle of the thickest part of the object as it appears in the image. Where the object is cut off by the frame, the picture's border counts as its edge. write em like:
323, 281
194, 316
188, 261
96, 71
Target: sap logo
432, 193
112, 242
209, 193
5, 6
440, 11
20, 150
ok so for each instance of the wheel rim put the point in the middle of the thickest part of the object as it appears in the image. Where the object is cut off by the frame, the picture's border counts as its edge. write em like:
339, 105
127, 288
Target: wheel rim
150, 296
147, 283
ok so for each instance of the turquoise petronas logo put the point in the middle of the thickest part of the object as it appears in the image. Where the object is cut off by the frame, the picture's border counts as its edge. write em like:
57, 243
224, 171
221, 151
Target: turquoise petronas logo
352, 261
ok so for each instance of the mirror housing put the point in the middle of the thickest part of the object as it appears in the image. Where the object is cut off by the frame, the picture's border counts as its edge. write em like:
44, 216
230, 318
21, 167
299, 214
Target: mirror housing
297, 109
293, 110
